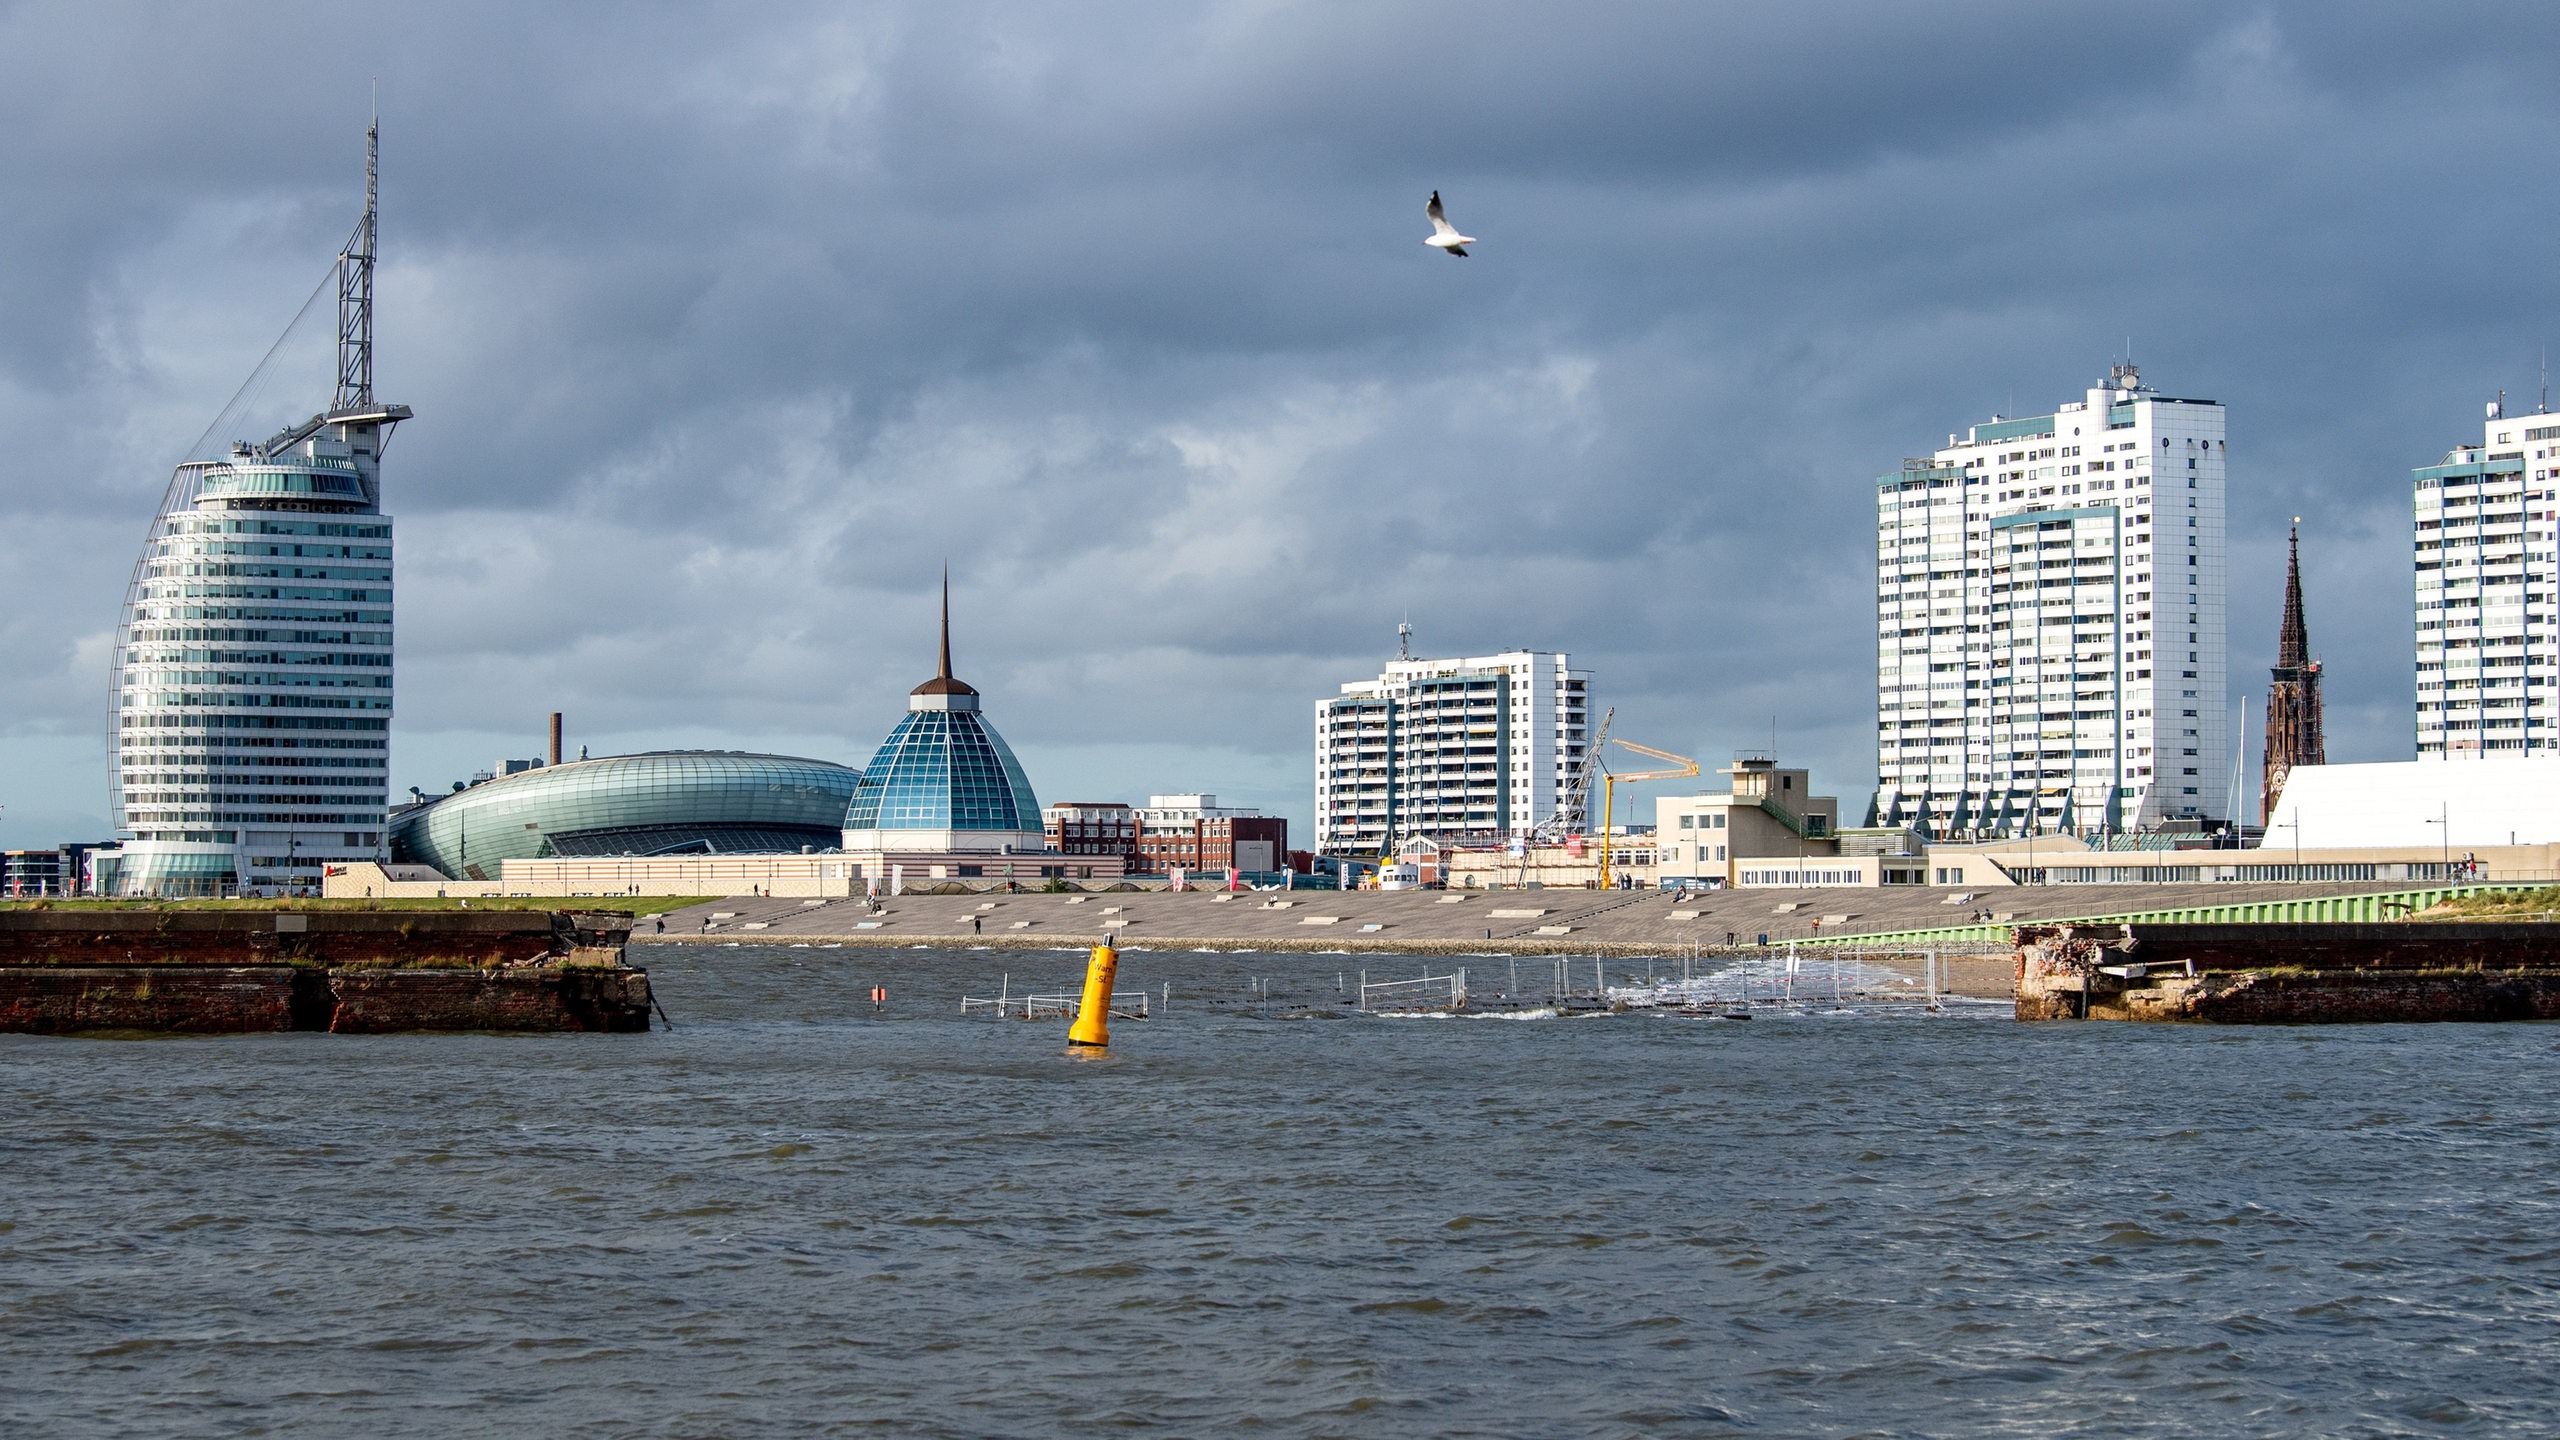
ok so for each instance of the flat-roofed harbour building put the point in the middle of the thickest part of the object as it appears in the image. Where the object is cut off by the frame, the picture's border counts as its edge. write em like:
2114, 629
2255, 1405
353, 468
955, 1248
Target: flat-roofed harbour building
2050, 641
2487, 563
1764, 813
1479, 748
251, 679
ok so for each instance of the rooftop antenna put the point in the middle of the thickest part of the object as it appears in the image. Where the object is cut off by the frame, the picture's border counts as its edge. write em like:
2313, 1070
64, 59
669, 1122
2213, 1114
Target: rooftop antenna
2544, 407
945, 672
1404, 637
355, 286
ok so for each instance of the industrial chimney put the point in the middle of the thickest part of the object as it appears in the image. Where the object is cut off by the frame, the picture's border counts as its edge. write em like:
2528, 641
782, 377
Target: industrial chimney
555, 737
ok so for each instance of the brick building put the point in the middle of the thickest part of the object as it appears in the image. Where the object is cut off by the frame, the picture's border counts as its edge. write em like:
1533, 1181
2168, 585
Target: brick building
1198, 835
1089, 828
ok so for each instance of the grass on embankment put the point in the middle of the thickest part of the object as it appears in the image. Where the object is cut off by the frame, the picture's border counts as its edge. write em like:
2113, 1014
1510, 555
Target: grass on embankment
2537, 904
636, 905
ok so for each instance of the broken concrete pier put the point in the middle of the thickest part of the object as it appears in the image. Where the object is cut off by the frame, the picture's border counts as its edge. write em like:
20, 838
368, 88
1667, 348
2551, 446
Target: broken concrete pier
2303, 974
249, 971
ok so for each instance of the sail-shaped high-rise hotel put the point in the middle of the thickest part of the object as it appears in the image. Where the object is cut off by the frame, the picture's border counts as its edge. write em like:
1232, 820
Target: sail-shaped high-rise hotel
252, 674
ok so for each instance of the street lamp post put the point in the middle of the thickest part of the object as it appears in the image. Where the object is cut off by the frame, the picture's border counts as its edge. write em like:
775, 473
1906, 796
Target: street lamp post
2444, 820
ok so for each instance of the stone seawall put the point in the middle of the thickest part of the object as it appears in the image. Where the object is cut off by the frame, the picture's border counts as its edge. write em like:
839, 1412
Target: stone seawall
235, 972
166, 999
267, 999
2289, 974
450, 939
534, 998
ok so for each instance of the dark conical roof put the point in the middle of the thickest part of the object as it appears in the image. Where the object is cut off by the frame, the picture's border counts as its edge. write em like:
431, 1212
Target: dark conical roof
2293, 647
942, 682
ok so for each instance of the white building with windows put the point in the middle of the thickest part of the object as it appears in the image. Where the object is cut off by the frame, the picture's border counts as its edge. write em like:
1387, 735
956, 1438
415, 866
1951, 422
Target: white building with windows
2050, 645
1479, 748
2488, 570
250, 686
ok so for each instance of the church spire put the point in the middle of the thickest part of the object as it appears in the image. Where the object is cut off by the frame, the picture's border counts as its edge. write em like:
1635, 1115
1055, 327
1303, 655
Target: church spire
2293, 692
2293, 648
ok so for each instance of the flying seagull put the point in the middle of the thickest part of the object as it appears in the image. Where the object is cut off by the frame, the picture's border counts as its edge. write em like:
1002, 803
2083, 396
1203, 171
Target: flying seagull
1444, 235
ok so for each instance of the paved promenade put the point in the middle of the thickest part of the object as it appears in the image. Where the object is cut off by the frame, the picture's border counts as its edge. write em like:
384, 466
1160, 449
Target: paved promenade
1520, 922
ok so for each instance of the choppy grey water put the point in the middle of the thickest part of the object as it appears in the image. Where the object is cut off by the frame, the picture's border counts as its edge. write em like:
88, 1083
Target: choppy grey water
788, 1216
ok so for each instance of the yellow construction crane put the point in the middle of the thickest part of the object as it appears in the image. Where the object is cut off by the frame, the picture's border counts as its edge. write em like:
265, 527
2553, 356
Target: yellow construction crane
1609, 792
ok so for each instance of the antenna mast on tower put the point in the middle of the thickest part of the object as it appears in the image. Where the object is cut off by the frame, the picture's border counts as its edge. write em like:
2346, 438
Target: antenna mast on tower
355, 289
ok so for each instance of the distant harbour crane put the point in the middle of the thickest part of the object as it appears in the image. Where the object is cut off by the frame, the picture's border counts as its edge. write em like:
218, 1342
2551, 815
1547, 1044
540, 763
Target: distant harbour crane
1573, 810
1688, 768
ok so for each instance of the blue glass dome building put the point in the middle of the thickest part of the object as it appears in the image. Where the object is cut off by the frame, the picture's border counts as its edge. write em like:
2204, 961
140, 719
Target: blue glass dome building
944, 781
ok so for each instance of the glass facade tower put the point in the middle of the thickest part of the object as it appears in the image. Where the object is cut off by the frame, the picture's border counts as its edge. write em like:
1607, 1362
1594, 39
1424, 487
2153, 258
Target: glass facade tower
251, 680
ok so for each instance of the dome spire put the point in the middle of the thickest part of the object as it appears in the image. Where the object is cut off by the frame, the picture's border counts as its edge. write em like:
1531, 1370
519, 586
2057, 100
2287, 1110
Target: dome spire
943, 682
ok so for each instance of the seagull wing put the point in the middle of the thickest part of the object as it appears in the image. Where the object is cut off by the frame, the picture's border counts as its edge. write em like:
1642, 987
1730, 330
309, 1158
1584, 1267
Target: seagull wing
1439, 221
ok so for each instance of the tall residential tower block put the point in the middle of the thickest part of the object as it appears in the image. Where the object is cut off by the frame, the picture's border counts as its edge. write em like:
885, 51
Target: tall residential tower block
1485, 747
2050, 645
2488, 571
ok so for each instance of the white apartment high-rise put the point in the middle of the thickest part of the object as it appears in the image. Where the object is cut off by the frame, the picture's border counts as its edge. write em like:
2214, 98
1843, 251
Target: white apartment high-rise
2488, 571
2050, 649
251, 680
1484, 747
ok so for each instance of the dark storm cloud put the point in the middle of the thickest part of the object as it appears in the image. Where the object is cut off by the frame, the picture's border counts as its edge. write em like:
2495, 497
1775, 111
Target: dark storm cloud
728, 325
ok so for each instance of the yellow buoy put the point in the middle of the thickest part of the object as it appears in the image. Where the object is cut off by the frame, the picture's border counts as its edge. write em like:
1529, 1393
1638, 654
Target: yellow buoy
1093, 1017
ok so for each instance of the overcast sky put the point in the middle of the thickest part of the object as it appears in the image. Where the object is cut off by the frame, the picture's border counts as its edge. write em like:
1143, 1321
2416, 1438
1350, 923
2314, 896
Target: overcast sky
727, 325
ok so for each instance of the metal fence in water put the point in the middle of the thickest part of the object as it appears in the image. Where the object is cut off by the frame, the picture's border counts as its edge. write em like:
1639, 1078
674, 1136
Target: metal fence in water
1426, 992
1827, 978
1006, 1005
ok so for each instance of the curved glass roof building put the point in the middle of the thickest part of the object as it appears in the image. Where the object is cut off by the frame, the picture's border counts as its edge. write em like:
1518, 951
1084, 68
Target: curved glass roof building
944, 780
668, 802
944, 770
251, 681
